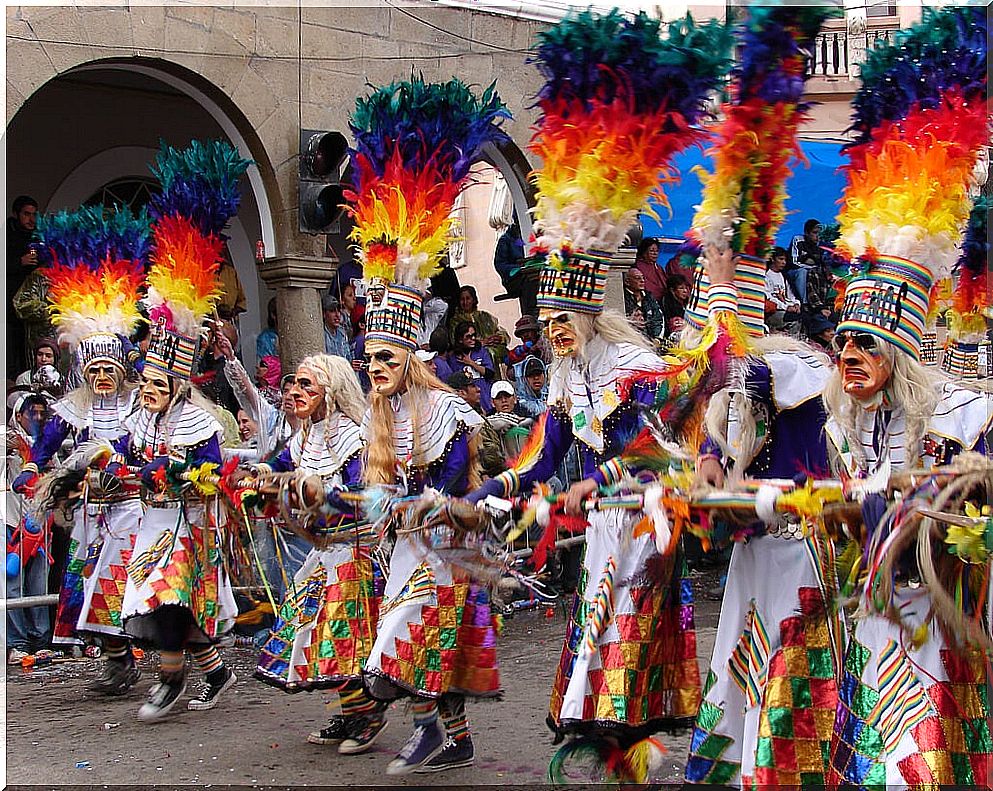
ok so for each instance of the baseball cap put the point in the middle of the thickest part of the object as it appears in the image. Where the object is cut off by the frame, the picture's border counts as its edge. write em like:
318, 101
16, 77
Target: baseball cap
502, 387
525, 323
425, 356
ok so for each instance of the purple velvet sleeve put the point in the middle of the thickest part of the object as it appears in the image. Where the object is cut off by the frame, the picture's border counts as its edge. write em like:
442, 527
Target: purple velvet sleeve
209, 451
351, 477
557, 441
283, 462
51, 439
452, 478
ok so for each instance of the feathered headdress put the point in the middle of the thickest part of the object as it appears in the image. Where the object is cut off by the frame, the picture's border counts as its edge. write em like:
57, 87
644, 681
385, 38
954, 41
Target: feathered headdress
199, 195
743, 199
96, 267
415, 143
619, 101
921, 120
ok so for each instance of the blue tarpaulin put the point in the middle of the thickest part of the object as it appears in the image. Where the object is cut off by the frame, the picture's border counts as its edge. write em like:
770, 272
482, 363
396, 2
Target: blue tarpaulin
812, 191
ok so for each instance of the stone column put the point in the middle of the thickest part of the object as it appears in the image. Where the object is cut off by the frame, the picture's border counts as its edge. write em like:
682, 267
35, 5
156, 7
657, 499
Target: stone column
298, 281
620, 263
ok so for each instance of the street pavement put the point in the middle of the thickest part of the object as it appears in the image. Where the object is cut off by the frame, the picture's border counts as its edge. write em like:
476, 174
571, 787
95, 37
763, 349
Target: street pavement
256, 736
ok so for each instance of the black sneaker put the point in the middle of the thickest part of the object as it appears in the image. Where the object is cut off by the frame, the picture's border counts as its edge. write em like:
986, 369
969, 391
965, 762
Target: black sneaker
116, 679
332, 734
424, 744
362, 732
207, 699
163, 697
455, 755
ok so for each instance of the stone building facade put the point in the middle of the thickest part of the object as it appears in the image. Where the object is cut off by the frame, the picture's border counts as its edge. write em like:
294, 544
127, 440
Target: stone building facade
91, 89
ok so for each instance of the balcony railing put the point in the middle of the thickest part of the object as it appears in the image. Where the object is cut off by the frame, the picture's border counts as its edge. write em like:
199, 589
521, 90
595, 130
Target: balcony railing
831, 56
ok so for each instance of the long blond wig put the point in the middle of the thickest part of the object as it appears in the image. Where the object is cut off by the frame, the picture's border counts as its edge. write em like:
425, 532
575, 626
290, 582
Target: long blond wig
342, 392
911, 387
381, 461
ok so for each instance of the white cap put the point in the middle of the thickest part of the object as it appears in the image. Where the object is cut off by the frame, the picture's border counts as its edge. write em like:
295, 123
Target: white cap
502, 387
425, 356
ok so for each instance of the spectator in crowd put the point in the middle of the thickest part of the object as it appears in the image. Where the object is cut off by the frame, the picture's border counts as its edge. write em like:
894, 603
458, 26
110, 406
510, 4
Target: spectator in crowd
211, 378
31, 307
433, 316
436, 362
43, 371
505, 402
248, 429
467, 389
532, 387
533, 344
508, 260
472, 359
640, 307
647, 262
782, 308
21, 261
349, 308
490, 335
28, 629
268, 373
805, 250
358, 349
335, 337
510, 422
674, 304
683, 263
267, 344
232, 302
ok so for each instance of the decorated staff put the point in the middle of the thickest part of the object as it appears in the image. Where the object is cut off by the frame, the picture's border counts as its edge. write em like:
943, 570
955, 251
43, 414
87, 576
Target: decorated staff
178, 595
415, 144
619, 100
327, 622
922, 116
96, 269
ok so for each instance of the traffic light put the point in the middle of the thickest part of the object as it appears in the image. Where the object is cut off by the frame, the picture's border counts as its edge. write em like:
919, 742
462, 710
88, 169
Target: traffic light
322, 155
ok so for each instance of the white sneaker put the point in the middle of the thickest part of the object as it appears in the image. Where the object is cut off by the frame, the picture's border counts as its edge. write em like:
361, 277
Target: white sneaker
15, 656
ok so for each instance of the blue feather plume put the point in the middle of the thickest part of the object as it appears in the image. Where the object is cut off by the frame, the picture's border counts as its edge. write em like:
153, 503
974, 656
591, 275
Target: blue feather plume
199, 183
946, 49
92, 234
441, 123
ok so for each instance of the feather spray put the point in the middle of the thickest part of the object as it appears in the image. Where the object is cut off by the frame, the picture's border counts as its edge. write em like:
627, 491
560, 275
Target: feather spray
415, 143
199, 196
618, 102
96, 263
743, 198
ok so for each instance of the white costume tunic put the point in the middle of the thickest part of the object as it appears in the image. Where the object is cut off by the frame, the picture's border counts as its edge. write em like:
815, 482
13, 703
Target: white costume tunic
177, 559
327, 621
103, 532
912, 716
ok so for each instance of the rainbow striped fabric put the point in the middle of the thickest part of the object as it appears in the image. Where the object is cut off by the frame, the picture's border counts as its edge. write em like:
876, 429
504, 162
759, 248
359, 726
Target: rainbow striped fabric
889, 301
397, 320
574, 281
749, 280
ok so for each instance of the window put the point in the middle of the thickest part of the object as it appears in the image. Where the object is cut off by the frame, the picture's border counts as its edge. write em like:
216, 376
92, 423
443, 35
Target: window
133, 192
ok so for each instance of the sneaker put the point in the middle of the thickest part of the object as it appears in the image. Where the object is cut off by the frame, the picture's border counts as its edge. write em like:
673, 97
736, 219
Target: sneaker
162, 698
116, 679
362, 732
454, 755
332, 734
15, 656
424, 744
207, 699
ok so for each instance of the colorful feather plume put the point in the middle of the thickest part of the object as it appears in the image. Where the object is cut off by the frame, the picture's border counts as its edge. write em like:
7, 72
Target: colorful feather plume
966, 321
96, 263
920, 119
199, 195
619, 101
743, 199
603, 759
415, 143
